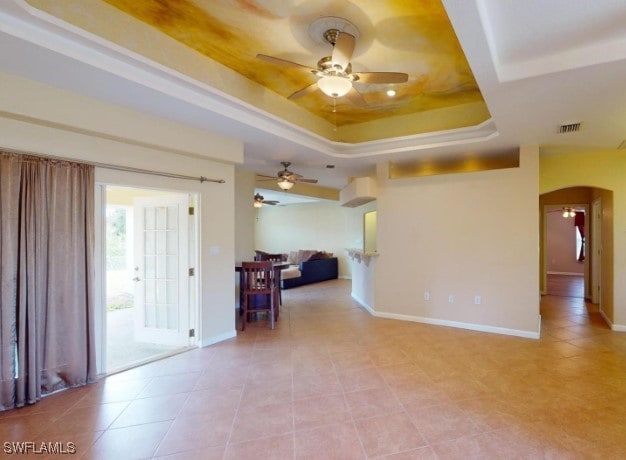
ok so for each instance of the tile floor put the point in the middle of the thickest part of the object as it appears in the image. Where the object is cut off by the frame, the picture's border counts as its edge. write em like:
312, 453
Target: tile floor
332, 382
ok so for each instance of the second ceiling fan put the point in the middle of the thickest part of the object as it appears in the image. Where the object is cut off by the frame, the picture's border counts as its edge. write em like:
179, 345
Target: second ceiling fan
334, 72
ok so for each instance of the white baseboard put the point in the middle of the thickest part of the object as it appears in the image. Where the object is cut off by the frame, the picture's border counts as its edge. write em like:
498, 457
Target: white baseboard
614, 327
457, 324
369, 309
345, 277
217, 338
566, 273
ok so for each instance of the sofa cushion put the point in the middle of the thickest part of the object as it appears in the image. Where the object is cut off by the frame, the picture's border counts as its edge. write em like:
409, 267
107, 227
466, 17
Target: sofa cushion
291, 272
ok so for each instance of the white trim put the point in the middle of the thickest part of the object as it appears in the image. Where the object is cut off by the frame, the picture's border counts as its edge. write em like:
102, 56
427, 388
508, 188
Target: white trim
217, 338
457, 324
100, 319
614, 327
363, 304
345, 277
566, 273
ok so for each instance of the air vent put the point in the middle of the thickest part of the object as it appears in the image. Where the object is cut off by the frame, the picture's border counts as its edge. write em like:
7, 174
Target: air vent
570, 128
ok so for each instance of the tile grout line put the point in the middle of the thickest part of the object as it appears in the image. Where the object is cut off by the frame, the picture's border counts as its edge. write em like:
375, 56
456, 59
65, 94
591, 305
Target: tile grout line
232, 426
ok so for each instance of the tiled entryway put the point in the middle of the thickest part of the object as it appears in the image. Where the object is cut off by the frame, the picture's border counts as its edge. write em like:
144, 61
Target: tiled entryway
332, 382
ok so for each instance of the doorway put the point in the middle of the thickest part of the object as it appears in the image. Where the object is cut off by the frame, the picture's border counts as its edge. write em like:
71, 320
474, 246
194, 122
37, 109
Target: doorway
148, 240
565, 250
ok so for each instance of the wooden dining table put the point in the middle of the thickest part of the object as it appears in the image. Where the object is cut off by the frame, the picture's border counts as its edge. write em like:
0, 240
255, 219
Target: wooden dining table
277, 267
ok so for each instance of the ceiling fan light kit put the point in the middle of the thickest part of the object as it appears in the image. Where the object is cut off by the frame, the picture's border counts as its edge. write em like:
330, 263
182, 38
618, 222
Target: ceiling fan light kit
334, 85
285, 183
334, 72
568, 212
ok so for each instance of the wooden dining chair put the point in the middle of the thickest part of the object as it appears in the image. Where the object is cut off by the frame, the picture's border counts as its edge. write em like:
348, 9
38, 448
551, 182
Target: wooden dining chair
264, 256
257, 279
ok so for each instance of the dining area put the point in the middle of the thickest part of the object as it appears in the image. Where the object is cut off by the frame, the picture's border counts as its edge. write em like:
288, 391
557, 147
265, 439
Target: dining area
260, 288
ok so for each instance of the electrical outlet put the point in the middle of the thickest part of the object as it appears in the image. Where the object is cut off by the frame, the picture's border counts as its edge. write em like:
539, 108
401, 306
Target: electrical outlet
451, 298
477, 300
426, 295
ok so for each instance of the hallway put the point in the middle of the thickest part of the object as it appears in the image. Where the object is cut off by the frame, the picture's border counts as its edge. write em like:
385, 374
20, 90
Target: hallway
331, 381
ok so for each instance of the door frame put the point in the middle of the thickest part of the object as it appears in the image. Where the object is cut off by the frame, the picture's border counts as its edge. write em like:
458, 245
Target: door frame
100, 323
596, 254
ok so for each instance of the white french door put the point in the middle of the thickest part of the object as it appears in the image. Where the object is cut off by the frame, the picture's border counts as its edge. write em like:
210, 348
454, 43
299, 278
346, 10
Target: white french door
161, 269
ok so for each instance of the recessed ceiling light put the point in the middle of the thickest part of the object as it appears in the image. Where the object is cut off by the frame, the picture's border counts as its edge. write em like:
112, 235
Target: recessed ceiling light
391, 92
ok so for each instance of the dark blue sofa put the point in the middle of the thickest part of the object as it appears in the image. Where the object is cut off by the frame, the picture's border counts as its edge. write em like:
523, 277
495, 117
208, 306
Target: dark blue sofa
313, 271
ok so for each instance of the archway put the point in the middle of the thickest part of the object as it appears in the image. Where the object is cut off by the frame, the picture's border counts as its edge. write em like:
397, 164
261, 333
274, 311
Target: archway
598, 264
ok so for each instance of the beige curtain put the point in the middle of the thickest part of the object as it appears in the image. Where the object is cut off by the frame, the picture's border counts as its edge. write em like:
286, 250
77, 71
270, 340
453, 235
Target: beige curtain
47, 310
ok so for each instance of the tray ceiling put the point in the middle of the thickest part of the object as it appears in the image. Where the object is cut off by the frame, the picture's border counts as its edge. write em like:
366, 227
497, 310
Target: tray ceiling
216, 41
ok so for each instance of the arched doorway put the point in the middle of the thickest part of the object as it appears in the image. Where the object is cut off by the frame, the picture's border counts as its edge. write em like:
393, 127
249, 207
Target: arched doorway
597, 263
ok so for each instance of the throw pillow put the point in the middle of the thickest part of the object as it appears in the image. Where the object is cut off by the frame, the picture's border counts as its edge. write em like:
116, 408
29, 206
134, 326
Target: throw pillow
304, 255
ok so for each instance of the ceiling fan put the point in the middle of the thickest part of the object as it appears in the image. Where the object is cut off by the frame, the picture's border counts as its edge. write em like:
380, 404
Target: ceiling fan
259, 201
287, 179
335, 76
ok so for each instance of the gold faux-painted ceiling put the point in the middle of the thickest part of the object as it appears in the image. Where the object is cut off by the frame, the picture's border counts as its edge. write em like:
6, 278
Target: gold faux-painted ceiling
216, 42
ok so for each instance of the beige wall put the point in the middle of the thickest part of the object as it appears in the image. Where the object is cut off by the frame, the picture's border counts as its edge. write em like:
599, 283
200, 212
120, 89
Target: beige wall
325, 226
602, 169
41, 119
466, 235
245, 215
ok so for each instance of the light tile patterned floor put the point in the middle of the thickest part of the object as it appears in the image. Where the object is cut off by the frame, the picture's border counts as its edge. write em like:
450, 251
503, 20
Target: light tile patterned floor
332, 382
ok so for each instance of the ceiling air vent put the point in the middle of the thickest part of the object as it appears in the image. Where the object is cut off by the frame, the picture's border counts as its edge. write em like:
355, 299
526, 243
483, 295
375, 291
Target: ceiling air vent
570, 127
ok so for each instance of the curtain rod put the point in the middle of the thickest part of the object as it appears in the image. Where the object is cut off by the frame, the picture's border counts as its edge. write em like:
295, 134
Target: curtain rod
117, 167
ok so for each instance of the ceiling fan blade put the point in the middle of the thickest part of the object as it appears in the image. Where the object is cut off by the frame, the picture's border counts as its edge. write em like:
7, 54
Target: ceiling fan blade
271, 202
304, 91
308, 181
382, 77
343, 49
279, 61
264, 176
355, 97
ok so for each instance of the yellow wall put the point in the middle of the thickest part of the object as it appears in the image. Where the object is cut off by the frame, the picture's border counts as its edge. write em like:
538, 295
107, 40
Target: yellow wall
603, 169
466, 235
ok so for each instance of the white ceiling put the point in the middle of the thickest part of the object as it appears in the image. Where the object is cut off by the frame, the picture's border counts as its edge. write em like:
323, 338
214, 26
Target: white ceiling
285, 198
538, 64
